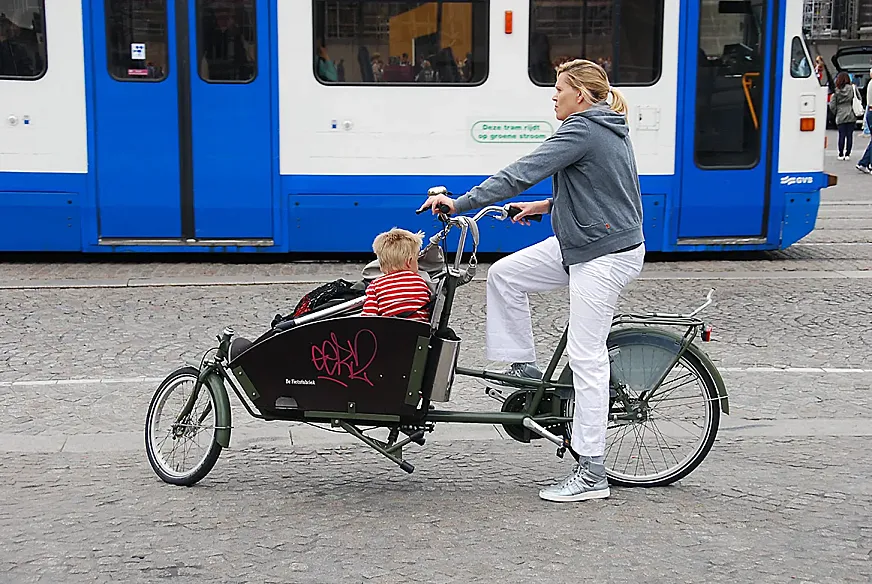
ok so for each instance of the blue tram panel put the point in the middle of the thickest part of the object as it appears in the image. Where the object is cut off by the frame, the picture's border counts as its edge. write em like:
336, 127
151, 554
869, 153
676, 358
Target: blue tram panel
198, 126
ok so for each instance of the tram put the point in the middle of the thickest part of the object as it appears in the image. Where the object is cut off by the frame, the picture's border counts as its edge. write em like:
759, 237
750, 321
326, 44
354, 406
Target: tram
279, 126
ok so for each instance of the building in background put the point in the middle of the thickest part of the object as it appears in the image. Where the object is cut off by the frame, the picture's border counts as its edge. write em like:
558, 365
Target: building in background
838, 22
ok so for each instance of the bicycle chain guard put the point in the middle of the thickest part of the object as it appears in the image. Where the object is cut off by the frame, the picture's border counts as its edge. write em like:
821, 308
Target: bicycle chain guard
517, 402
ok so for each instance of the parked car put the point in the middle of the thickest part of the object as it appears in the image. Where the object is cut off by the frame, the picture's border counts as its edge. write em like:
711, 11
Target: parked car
855, 61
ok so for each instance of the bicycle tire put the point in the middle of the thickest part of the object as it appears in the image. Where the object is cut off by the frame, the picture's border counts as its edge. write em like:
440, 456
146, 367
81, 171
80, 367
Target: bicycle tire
206, 464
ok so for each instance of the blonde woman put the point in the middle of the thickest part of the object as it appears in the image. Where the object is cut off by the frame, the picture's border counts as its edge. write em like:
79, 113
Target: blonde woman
597, 250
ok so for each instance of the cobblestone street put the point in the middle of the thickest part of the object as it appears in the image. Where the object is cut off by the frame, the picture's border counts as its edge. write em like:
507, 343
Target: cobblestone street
784, 496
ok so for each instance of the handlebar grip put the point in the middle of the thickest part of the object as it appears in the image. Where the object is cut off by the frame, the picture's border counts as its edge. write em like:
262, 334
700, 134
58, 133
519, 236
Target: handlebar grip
512, 210
442, 208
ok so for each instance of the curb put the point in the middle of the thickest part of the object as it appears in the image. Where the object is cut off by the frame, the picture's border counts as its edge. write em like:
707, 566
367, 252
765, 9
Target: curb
308, 280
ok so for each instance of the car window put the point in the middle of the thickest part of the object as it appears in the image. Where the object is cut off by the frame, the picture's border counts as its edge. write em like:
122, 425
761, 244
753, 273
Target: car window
854, 60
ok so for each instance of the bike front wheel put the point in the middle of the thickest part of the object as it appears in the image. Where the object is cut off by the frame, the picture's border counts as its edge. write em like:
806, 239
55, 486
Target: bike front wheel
680, 422
182, 450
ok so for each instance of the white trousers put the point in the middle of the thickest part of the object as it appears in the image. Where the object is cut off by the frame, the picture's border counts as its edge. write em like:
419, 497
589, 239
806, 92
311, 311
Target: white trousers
594, 288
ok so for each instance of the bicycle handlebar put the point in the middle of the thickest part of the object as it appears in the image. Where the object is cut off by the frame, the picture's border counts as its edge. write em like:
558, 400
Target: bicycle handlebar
468, 225
443, 209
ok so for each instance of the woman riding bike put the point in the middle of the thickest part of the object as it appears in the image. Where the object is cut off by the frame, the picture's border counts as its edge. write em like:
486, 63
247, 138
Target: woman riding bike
597, 250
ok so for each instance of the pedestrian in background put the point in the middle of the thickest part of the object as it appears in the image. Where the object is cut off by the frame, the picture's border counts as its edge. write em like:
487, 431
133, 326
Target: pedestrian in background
842, 106
865, 164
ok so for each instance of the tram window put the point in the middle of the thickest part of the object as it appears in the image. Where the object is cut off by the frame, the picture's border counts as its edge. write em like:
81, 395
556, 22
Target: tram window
388, 42
625, 37
136, 33
226, 40
799, 65
22, 39
729, 83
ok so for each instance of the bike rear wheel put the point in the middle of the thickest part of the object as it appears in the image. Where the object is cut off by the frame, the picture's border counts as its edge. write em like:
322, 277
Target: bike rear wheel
681, 422
181, 452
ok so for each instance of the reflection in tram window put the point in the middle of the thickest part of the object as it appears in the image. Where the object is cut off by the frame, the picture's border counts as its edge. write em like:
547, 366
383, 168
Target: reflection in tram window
390, 42
623, 36
799, 65
226, 38
22, 39
729, 83
137, 40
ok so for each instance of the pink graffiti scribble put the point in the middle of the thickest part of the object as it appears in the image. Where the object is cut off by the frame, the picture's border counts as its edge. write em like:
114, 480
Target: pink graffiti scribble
345, 362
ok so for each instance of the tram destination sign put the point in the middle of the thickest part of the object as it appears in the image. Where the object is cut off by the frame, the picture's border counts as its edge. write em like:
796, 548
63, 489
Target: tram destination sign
498, 132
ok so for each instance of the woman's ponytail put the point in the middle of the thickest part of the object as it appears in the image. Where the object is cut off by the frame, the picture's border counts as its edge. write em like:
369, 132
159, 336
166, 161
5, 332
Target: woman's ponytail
618, 102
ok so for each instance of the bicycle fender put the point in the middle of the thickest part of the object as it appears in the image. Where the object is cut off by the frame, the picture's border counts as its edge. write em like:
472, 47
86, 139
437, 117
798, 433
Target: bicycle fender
222, 406
672, 337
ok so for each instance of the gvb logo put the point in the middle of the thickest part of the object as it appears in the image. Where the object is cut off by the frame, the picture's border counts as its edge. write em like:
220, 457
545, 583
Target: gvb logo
797, 180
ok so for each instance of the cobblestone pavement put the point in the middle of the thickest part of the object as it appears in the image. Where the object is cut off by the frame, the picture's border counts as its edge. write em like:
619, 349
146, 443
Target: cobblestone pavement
757, 511
768, 509
784, 496
122, 333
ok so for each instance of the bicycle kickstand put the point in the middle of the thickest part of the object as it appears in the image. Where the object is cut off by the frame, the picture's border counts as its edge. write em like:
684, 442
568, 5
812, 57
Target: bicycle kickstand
561, 450
562, 444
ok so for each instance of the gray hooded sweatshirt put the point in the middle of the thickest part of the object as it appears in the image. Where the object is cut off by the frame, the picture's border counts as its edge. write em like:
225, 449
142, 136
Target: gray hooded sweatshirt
596, 207
842, 105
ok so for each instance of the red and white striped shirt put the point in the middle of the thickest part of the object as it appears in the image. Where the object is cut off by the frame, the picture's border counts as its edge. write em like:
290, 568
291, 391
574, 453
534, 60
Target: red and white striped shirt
396, 293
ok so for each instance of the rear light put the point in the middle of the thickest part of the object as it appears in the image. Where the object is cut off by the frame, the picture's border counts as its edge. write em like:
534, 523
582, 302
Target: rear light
508, 22
806, 124
707, 333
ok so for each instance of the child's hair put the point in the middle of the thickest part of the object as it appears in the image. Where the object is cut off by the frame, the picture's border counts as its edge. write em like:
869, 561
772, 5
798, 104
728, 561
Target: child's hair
395, 247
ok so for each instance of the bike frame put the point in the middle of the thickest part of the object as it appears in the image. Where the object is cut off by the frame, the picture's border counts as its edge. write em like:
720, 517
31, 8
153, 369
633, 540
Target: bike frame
216, 372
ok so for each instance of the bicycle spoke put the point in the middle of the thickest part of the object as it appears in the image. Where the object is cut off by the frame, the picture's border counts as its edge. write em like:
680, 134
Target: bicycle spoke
670, 390
656, 433
660, 435
687, 397
642, 444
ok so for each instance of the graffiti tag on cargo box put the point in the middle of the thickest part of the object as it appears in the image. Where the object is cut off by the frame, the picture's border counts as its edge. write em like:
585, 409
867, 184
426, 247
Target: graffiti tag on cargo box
342, 362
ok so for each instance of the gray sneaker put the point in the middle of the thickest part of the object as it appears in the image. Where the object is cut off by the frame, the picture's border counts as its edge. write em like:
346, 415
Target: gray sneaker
586, 481
527, 370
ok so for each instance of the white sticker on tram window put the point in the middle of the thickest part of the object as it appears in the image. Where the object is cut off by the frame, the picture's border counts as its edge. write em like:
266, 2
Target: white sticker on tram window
137, 51
487, 132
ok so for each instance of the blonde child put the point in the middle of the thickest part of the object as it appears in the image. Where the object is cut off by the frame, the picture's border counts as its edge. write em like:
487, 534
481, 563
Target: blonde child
401, 291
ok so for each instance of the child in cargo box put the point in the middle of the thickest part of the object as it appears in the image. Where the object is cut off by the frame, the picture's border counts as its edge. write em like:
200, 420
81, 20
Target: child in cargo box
401, 291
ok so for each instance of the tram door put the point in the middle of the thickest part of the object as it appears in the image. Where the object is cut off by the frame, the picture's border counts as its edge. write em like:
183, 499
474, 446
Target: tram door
727, 83
183, 119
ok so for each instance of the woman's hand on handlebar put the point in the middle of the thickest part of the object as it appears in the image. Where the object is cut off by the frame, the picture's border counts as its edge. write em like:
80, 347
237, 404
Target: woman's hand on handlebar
433, 203
535, 208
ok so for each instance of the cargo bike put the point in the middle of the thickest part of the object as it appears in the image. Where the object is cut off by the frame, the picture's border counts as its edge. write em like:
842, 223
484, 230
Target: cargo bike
380, 378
